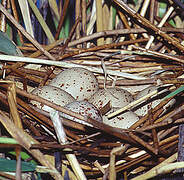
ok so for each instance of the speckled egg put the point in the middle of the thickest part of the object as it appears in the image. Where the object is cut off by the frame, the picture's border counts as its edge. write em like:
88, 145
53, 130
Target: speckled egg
53, 94
124, 120
142, 109
78, 82
117, 97
84, 108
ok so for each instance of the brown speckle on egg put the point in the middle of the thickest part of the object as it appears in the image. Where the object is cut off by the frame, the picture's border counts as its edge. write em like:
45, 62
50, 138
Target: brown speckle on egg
84, 108
53, 94
78, 82
124, 121
117, 97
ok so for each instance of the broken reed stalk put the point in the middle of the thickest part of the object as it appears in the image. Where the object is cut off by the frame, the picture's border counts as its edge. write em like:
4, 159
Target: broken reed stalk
97, 164
162, 124
67, 148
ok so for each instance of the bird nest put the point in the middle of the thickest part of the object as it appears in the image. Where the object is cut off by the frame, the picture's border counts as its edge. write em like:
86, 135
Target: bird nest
133, 52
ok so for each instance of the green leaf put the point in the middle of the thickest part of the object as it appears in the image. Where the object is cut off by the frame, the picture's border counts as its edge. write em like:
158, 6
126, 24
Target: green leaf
5, 140
24, 156
10, 166
177, 91
7, 46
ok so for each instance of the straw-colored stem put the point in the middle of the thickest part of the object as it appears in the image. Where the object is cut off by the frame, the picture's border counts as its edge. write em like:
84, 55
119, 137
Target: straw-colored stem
143, 12
66, 65
164, 19
132, 104
112, 171
152, 11
77, 16
59, 129
54, 7
26, 16
106, 16
99, 20
11, 93
110, 24
3, 17
84, 17
41, 21
152, 172
97, 164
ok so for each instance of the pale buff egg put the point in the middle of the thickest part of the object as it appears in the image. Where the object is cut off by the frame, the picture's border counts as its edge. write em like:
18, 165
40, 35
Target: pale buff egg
83, 108
117, 97
142, 109
52, 94
79, 82
124, 120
